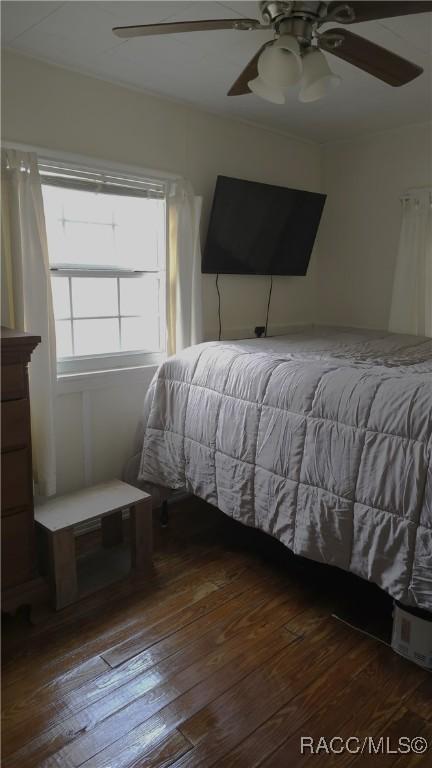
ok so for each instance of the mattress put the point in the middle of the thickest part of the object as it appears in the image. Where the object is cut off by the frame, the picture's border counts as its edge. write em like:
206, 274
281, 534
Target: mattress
321, 438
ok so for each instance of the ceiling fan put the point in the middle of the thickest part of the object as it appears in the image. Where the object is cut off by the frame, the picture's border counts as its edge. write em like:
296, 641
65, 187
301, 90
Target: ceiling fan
295, 53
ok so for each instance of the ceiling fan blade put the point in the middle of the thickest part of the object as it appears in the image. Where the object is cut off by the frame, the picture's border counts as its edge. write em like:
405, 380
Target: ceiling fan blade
368, 11
374, 59
176, 27
249, 73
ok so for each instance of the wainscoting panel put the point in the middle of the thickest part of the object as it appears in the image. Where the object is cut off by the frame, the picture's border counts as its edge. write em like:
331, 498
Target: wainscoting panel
97, 416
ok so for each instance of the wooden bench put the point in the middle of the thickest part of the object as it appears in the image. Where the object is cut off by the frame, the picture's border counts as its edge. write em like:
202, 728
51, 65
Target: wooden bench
58, 516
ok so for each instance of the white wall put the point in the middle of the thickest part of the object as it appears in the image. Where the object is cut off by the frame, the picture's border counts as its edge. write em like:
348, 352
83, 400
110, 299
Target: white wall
359, 235
57, 109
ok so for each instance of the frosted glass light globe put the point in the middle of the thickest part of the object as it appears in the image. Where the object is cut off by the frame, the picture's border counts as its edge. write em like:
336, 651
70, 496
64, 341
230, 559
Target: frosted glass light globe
266, 91
318, 79
280, 64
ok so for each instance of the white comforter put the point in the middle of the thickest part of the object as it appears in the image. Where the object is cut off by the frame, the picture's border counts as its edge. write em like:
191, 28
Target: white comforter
322, 438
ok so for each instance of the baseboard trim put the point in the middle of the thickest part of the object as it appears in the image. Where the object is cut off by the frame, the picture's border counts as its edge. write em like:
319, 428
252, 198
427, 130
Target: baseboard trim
244, 332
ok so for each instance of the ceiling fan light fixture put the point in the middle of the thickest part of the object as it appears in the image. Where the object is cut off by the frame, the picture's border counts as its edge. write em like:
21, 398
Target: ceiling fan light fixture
279, 65
318, 79
259, 87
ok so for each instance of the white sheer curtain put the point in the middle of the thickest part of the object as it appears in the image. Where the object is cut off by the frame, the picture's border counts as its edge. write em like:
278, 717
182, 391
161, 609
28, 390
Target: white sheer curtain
27, 299
411, 308
184, 296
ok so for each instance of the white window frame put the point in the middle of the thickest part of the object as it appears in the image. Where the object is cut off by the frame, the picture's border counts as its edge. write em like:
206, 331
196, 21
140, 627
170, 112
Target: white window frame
75, 174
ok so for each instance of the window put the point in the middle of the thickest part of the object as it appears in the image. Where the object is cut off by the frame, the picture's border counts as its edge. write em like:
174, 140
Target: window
106, 244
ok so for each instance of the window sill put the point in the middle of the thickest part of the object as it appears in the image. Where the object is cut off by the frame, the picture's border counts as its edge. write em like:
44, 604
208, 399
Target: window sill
78, 382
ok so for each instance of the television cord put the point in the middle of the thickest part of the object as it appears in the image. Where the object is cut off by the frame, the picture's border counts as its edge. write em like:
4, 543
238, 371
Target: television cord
268, 304
219, 306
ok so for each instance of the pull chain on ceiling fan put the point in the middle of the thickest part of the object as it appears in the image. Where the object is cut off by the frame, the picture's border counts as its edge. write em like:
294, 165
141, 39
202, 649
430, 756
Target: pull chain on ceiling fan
295, 53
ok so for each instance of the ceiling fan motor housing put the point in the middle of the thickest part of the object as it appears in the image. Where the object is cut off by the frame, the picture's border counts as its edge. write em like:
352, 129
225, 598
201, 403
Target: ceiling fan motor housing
298, 19
274, 12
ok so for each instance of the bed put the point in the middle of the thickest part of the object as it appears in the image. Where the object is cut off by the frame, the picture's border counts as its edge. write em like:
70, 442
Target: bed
321, 438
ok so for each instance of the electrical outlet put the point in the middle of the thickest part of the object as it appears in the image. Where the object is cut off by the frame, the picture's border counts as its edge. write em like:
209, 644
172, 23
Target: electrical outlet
259, 331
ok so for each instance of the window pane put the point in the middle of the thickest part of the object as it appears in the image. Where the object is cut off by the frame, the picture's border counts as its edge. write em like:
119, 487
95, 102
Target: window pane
89, 243
96, 337
80, 205
140, 232
88, 228
63, 330
94, 296
140, 333
60, 295
53, 211
139, 295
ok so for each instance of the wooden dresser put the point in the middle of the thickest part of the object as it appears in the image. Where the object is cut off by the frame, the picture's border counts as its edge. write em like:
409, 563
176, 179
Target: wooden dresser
21, 583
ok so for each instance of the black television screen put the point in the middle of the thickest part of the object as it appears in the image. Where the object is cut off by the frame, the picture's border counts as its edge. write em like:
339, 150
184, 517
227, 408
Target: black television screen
261, 229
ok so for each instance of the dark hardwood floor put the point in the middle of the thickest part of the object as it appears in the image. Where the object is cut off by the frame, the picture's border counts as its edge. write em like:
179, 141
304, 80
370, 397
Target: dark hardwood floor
225, 657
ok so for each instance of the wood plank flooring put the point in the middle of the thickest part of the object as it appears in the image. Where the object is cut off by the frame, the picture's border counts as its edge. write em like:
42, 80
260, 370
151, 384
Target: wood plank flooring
225, 656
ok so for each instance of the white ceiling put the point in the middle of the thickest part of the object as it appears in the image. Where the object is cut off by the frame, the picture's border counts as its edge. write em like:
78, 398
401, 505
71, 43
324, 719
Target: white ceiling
200, 67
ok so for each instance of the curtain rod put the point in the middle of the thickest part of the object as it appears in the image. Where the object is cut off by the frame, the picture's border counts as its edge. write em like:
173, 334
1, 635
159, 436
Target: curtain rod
87, 160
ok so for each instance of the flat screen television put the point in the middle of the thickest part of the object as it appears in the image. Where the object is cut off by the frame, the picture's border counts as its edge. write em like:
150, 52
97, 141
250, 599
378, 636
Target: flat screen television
260, 229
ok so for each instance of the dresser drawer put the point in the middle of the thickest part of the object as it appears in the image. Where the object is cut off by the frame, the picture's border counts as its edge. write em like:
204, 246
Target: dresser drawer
15, 421
16, 479
13, 382
17, 548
